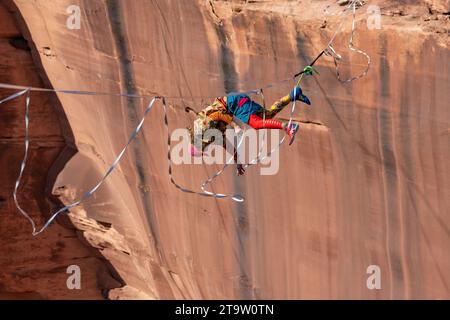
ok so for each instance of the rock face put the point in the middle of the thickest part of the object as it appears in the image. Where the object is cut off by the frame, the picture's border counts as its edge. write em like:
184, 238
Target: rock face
366, 182
36, 268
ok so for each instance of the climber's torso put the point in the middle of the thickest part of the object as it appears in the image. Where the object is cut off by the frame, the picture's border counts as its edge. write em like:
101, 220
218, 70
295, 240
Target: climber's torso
226, 108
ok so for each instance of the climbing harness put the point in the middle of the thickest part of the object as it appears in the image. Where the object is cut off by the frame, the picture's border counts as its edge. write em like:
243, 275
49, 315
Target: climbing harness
308, 70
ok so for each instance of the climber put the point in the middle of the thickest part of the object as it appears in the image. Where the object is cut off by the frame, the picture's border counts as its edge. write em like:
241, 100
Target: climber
224, 111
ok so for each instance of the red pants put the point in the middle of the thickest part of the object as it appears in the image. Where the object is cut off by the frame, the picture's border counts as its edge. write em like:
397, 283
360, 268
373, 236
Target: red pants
259, 123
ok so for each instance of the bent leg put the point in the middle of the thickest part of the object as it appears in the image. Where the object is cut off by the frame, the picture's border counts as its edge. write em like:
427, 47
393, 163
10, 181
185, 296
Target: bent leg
276, 108
279, 105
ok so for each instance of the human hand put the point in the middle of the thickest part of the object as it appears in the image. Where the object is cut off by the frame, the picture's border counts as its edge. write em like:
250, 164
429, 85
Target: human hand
240, 170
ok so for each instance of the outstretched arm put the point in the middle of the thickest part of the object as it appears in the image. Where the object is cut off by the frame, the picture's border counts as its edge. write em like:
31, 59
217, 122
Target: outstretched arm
239, 167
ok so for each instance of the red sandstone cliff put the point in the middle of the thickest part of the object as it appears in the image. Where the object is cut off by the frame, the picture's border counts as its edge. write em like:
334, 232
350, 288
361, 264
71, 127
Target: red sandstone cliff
369, 185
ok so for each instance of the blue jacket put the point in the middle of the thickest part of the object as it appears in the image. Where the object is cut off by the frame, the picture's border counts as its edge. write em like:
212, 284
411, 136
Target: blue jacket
241, 106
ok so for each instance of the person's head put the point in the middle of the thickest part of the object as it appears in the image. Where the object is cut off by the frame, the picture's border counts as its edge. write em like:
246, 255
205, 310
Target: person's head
197, 134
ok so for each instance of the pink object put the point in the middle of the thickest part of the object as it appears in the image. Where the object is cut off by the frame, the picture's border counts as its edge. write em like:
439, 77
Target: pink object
194, 151
242, 101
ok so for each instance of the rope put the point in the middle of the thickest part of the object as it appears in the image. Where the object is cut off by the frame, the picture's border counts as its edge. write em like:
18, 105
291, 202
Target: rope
258, 158
111, 168
330, 51
204, 193
241, 139
238, 198
80, 92
306, 70
25, 157
89, 193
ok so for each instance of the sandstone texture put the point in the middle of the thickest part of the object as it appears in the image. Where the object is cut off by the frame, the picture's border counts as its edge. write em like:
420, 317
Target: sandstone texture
367, 181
